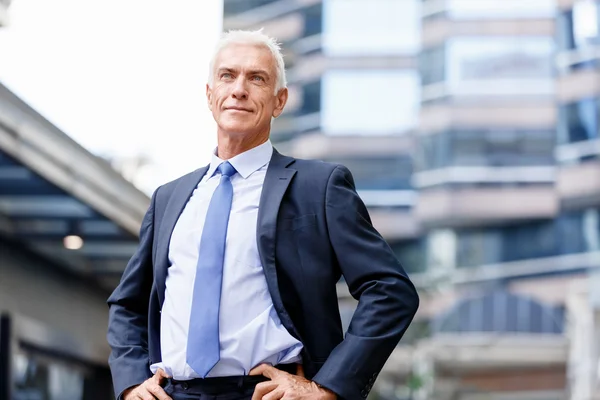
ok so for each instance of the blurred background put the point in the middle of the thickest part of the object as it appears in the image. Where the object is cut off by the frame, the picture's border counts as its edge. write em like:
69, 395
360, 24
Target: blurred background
471, 128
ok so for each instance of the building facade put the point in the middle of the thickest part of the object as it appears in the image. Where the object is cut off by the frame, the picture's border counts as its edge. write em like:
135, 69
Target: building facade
68, 226
471, 128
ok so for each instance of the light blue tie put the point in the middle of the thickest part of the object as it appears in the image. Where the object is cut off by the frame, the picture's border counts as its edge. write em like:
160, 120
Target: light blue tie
203, 336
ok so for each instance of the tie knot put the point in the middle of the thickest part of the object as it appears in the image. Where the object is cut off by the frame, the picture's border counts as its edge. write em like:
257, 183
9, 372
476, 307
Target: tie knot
226, 169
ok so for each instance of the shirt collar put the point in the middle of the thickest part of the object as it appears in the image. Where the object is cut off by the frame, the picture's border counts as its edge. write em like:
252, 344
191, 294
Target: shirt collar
245, 163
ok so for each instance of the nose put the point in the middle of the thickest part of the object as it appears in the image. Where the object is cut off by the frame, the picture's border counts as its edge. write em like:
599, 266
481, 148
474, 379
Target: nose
239, 90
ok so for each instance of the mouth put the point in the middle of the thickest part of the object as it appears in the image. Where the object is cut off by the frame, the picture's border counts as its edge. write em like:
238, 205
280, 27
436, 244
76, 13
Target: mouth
238, 109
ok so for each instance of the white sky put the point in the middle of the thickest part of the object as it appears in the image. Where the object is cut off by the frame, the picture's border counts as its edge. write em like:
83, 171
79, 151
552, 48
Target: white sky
120, 77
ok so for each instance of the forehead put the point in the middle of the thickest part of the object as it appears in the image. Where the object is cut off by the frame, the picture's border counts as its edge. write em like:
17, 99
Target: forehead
245, 56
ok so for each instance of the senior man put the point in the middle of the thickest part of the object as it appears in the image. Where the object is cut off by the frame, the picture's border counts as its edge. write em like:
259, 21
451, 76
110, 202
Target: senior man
232, 291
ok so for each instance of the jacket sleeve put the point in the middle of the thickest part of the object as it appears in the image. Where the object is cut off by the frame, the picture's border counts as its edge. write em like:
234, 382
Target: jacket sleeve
387, 300
128, 314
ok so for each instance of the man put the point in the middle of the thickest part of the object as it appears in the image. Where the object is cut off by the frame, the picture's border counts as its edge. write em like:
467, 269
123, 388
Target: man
232, 291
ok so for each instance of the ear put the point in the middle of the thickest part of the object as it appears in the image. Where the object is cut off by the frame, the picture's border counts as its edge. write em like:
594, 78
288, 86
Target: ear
209, 96
282, 98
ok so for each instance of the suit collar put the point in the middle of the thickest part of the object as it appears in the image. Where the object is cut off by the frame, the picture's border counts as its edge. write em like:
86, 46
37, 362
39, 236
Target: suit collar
247, 162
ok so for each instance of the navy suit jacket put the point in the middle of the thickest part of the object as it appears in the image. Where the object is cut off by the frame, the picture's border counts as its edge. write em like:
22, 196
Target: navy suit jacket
312, 228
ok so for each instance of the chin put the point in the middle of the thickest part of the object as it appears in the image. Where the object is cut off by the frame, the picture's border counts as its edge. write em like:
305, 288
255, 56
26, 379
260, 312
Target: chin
235, 127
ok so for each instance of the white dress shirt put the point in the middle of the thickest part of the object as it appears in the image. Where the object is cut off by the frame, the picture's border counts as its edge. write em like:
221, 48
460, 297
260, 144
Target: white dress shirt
250, 331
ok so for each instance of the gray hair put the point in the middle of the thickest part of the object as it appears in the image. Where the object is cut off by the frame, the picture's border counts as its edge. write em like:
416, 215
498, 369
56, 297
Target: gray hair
256, 38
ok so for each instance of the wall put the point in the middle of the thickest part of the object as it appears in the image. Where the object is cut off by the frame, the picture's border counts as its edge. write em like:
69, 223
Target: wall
32, 287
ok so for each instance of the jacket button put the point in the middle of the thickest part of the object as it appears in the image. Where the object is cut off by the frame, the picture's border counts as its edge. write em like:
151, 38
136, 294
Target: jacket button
364, 393
184, 385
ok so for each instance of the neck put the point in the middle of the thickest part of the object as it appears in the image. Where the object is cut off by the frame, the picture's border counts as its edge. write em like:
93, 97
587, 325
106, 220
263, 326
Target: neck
229, 146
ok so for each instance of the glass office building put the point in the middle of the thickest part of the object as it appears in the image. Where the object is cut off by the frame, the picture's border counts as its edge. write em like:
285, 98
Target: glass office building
471, 128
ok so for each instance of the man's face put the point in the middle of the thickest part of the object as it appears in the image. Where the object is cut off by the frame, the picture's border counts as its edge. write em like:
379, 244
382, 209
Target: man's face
242, 97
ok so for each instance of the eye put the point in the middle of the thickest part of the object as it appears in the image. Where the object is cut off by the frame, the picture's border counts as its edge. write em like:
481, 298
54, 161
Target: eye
258, 78
226, 75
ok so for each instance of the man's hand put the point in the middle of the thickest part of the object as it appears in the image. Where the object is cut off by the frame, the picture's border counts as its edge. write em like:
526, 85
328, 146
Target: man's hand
149, 390
287, 386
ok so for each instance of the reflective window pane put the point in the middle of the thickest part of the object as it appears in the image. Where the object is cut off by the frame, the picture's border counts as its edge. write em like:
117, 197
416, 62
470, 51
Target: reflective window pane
510, 64
311, 97
432, 64
499, 58
476, 248
411, 254
499, 147
570, 233
579, 28
44, 378
313, 20
380, 173
238, 6
369, 102
393, 27
579, 121
441, 250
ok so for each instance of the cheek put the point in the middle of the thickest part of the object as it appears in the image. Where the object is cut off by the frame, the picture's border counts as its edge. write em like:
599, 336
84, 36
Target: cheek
219, 95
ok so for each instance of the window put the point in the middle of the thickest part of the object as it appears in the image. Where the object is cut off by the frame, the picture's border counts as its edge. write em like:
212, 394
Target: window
38, 377
311, 98
393, 27
579, 28
478, 247
232, 7
411, 254
569, 233
441, 247
369, 102
432, 64
314, 22
503, 65
381, 173
578, 121
491, 147
580, 231
418, 329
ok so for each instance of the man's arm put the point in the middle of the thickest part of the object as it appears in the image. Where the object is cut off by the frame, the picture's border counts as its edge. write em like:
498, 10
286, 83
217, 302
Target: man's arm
128, 315
387, 299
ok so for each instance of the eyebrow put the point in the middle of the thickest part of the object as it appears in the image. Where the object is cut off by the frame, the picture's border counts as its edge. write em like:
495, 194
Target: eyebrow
251, 72
258, 72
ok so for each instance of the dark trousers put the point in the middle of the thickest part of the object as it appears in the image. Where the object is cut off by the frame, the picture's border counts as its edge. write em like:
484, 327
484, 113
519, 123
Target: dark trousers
226, 388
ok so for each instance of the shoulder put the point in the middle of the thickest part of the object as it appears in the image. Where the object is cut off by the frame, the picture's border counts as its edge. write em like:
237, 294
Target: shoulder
327, 172
317, 167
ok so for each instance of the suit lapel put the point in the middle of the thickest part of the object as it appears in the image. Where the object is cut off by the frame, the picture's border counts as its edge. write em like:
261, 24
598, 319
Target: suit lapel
179, 198
276, 182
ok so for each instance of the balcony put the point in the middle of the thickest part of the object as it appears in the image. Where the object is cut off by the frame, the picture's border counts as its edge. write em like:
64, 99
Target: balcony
439, 30
578, 185
442, 117
578, 85
318, 145
395, 224
461, 207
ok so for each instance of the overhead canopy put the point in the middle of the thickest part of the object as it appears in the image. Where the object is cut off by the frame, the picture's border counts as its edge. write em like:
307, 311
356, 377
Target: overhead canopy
500, 312
51, 187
